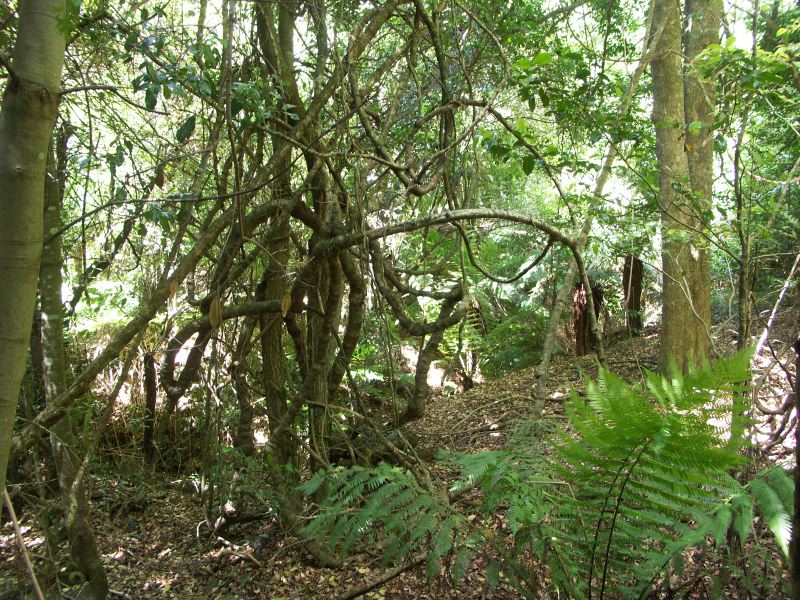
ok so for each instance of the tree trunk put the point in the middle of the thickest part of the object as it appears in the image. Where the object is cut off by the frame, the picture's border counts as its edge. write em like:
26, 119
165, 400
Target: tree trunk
274, 286
243, 439
795, 544
29, 109
150, 392
684, 317
83, 548
700, 98
632, 274
584, 340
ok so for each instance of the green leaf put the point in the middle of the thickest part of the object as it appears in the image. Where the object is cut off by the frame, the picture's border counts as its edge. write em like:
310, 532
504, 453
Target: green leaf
781, 481
543, 58
151, 96
743, 516
493, 574
186, 129
528, 163
774, 513
720, 524
524, 63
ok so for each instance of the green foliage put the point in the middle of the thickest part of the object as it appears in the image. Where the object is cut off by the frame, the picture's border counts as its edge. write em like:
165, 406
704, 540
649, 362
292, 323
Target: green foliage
513, 342
774, 495
640, 476
382, 506
644, 461
639, 466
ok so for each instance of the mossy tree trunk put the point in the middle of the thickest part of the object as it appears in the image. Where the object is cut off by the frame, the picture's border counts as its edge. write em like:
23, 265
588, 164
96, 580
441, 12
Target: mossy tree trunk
27, 117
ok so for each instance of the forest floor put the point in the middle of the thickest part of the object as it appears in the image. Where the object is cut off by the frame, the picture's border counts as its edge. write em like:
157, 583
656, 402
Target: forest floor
153, 539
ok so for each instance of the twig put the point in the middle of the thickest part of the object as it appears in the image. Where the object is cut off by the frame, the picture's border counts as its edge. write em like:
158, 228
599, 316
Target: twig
113, 90
388, 575
23, 550
231, 549
765, 334
4, 62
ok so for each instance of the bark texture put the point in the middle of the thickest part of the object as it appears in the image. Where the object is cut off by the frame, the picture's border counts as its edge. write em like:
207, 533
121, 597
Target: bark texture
581, 323
151, 393
686, 287
29, 109
700, 94
794, 550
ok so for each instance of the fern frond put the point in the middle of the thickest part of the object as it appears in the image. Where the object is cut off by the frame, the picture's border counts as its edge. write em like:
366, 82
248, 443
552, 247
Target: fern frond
776, 514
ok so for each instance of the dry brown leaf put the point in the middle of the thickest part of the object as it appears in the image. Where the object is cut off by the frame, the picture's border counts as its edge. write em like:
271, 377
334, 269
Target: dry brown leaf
215, 311
286, 304
159, 181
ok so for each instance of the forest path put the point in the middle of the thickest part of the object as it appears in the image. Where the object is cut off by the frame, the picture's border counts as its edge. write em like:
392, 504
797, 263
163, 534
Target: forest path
155, 545
170, 562
484, 417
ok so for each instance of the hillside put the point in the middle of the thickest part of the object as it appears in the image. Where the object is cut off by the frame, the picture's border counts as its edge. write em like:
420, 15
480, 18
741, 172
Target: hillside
153, 537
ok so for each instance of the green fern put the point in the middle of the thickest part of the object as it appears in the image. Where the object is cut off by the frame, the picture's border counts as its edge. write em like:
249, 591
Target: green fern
383, 505
774, 496
640, 476
607, 508
642, 462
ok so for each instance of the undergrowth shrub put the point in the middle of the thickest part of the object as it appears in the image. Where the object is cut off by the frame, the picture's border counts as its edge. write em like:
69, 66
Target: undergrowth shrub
513, 342
609, 505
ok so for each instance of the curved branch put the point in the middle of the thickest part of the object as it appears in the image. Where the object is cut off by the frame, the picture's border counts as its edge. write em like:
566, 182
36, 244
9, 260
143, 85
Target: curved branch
486, 273
417, 328
451, 216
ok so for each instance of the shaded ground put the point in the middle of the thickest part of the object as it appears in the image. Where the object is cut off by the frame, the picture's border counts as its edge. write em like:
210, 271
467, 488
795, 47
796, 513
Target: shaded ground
153, 537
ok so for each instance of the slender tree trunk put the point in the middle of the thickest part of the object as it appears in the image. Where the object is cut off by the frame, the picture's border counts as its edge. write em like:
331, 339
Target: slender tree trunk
321, 327
632, 275
83, 548
700, 98
795, 544
243, 439
273, 359
29, 109
150, 393
419, 400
